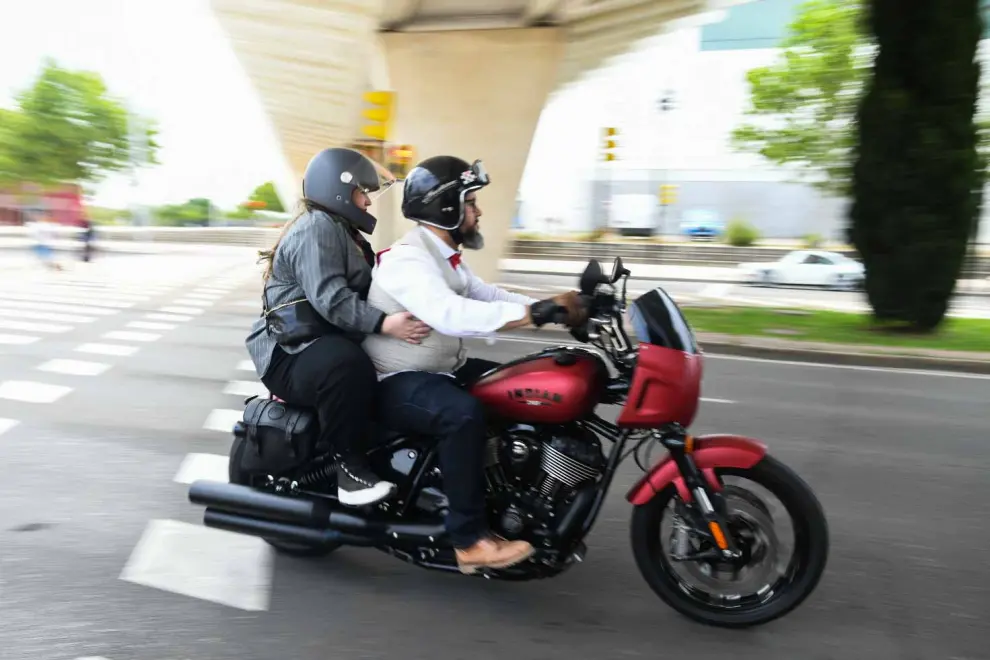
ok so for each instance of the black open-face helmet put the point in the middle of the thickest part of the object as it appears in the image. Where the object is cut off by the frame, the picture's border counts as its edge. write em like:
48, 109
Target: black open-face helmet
435, 189
333, 174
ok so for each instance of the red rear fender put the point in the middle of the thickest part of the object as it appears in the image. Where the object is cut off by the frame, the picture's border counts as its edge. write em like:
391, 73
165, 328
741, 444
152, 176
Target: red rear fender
710, 452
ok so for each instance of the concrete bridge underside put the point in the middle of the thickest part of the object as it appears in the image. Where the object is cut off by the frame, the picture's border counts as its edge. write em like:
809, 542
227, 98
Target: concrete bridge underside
471, 77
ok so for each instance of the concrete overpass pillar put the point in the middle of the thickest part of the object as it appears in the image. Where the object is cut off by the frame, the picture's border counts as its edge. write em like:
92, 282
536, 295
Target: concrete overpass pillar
471, 94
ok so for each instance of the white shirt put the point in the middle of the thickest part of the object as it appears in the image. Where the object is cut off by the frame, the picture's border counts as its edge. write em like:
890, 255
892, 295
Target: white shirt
413, 278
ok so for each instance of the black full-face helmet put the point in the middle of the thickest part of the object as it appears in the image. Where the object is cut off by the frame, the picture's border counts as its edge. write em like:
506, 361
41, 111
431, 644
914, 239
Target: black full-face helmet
333, 174
435, 189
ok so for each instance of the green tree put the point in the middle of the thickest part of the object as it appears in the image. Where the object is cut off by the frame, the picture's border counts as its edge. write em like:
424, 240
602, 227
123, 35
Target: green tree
919, 173
804, 103
66, 128
266, 193
195, 211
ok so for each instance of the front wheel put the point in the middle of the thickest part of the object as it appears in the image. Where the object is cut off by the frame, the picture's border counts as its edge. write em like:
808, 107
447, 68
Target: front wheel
763, 584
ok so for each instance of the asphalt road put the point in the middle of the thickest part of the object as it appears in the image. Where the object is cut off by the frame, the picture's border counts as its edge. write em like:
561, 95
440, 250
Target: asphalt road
971, 306
101, 555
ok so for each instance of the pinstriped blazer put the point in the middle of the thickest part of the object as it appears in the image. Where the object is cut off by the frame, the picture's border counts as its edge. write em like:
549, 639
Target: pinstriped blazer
319, 258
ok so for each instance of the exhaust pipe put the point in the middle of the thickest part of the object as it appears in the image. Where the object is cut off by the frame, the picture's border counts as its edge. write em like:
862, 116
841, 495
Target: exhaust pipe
246, 501
310, 521
267, 529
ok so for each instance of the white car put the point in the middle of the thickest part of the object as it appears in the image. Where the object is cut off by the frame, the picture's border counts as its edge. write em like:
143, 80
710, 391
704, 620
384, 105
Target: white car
807, 268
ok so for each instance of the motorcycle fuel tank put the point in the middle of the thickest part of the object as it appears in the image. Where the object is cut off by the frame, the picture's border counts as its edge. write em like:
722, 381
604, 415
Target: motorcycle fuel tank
553, 387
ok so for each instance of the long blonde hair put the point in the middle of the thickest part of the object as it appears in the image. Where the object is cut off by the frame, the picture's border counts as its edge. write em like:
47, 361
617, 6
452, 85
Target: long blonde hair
267, 257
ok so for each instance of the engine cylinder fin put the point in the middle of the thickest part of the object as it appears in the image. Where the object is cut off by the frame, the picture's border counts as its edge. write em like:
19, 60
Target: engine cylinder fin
491, 456
564, 468
549, 486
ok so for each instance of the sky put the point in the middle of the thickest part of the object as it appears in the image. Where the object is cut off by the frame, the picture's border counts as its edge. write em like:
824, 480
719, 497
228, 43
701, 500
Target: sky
169, 60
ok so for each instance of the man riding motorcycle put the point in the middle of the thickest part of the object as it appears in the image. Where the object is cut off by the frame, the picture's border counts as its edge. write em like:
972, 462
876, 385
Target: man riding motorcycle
421, 385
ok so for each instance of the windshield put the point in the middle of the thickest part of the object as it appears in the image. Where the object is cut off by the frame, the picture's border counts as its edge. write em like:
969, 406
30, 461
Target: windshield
656, 319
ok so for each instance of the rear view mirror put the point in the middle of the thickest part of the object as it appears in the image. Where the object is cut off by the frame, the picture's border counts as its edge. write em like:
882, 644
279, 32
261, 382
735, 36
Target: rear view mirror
591, 277
618, 270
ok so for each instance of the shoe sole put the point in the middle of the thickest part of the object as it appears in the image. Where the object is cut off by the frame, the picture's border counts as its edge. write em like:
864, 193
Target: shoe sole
365, 497
471, 569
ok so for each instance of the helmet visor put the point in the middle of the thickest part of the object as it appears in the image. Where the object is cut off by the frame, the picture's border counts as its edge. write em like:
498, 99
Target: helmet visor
475, 177
376, 187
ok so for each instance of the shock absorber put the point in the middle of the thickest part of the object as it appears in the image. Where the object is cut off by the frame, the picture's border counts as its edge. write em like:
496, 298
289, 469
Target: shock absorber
319, 474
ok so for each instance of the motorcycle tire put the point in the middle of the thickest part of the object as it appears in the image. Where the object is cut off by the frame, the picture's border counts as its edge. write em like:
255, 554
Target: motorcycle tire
811, 540
237, 476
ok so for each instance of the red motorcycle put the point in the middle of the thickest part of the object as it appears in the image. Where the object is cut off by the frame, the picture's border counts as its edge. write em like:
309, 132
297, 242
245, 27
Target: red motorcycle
707, 546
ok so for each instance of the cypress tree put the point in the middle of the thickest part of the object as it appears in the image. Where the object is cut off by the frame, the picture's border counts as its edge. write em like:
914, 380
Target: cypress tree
917, 174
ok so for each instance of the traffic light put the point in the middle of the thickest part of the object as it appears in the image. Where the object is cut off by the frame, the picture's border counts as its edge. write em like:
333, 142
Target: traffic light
668, 194
400, 159
380, 113
609, 144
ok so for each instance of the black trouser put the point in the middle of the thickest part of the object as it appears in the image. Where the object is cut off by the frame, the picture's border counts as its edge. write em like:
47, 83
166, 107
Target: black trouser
423, 403
337, 378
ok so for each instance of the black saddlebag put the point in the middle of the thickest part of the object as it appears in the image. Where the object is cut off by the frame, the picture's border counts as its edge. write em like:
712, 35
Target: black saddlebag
280, 438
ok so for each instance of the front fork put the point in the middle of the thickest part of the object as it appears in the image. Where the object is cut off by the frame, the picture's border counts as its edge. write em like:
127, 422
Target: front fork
709, 512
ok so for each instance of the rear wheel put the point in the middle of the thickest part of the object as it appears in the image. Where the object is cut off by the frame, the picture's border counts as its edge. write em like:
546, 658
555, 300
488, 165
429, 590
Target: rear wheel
238, 476
763, 584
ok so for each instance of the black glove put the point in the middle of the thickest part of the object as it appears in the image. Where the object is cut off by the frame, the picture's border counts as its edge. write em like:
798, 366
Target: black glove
547, 311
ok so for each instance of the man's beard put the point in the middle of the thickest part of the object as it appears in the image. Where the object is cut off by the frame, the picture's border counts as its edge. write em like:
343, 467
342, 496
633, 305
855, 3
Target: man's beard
472, 240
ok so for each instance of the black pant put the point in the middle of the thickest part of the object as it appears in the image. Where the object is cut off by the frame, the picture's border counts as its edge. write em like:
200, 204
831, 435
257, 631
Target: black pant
337, 378
429, 404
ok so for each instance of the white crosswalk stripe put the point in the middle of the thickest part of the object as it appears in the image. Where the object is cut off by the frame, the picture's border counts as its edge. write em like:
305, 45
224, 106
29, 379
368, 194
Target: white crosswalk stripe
107, 349
102, 302
166, 289
26, 326
29, 391
17, 340
223, 419
171, 309
201, 562
246, 388
74, 367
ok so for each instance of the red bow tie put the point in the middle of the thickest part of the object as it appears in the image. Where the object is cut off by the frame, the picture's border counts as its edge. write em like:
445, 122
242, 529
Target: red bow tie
455, 260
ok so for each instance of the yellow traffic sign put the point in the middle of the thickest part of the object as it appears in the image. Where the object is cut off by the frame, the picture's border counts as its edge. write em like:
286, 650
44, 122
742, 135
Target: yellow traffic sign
381, 112
668, 194
400, 160
608, 154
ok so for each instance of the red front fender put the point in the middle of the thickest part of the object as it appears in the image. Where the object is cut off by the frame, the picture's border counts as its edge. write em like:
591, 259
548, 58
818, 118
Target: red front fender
710, 451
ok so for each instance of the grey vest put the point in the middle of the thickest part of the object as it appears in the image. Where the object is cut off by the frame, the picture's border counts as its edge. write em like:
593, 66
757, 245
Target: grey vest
437, 353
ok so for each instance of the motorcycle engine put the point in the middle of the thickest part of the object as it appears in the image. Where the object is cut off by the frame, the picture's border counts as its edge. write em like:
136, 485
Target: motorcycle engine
533, 472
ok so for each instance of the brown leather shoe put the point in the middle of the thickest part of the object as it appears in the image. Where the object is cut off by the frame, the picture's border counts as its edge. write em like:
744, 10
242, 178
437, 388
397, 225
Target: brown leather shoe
492, 553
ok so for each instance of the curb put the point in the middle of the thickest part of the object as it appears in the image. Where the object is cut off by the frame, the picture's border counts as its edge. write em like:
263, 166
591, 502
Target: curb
744, 346
632, 278
850, 359
694, 280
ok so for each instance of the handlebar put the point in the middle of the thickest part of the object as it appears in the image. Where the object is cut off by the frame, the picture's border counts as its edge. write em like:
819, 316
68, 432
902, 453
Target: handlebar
560, 315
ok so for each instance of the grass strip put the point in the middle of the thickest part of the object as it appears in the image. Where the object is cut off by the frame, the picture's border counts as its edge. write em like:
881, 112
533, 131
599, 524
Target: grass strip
837, 327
